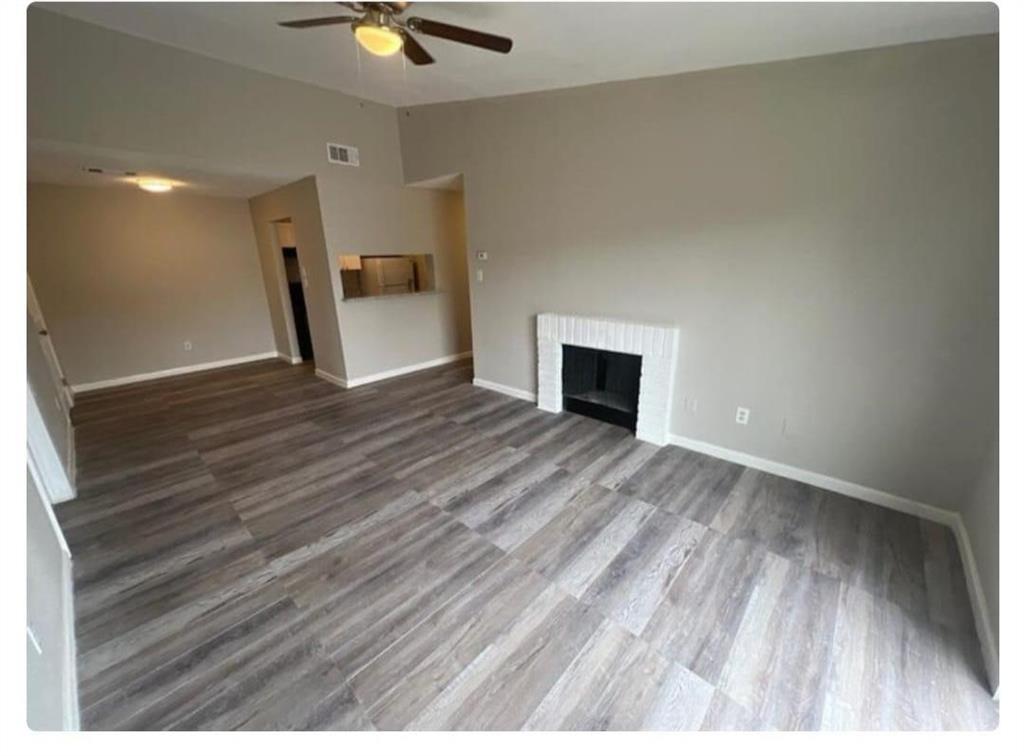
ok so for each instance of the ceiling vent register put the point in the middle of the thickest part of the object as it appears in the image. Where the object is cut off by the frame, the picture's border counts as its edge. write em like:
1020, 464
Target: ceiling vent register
342, 154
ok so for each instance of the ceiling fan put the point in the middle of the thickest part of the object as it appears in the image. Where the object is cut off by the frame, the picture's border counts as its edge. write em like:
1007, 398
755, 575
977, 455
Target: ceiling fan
379, 30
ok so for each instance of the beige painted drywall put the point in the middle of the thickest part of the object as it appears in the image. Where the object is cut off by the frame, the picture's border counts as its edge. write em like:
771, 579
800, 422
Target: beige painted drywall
125, 278
50, 675
393, 332
376, 335
95, 87
285, 234
299, 203
822, 231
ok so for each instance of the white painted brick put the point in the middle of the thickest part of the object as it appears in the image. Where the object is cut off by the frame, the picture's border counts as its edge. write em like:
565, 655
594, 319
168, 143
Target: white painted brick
657, 345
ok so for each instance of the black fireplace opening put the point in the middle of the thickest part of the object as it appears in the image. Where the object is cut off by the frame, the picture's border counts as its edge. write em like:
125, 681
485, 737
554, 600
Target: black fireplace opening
599, 384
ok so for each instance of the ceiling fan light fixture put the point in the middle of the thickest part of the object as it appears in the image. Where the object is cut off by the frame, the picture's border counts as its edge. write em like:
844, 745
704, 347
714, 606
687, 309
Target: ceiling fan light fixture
379, 40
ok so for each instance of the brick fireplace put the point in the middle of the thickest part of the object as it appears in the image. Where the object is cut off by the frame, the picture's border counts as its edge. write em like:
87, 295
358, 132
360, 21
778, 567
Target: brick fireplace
656, 345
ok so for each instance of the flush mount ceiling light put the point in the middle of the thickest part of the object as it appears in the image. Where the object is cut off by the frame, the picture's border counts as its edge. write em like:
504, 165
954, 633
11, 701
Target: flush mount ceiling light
381, 29
157, 186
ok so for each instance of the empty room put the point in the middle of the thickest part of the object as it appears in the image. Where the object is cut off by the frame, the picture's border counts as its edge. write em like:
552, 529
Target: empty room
513, 366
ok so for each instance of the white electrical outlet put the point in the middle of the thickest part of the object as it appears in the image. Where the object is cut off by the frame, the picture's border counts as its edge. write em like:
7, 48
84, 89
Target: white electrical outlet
188, 346
691, 404
479, 276
742, 415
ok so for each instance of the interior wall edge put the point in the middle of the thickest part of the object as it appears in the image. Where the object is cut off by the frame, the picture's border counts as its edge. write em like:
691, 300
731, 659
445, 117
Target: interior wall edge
54, 478
71, 716
72, 460
331, 378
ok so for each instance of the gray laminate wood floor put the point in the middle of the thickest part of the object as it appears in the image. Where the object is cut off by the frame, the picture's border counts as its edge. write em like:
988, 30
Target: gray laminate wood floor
256, 548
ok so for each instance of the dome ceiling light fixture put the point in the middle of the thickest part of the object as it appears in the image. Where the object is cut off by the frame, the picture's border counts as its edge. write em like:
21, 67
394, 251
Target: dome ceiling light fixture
380, 40
380, 31
155, 185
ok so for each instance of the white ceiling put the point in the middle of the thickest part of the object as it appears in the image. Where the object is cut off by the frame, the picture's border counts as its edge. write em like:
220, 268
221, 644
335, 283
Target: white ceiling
556, 44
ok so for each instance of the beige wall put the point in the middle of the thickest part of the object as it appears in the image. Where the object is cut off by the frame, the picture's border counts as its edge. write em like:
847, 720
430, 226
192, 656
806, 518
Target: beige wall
376, 335
822, 231
285, 234
125, 278
300, 203
91, 86
393, 332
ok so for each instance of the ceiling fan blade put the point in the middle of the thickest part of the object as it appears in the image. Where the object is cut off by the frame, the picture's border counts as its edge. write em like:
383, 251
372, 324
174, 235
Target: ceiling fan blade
306, 23
414, 51
459, 34
396, 8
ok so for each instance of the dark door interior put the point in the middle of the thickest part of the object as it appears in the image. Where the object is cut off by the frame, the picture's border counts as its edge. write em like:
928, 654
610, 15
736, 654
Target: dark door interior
298, 297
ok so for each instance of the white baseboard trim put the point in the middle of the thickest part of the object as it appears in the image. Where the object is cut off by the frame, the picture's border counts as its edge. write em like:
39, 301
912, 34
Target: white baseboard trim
331, 378
81, 388
501, 388
395, 372
979, 605
952, 520
853, 490
289, 359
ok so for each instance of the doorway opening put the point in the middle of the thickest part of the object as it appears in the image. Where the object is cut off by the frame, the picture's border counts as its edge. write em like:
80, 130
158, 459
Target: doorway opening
293, 275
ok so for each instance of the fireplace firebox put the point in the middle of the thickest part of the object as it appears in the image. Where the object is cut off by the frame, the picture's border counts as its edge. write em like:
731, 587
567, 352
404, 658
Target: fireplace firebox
601, 384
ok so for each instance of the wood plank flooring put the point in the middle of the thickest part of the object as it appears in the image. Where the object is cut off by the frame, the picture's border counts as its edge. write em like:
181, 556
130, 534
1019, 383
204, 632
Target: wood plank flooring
255, 548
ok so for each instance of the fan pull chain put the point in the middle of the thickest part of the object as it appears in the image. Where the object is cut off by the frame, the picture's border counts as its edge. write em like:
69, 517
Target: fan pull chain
405, 78
359, 70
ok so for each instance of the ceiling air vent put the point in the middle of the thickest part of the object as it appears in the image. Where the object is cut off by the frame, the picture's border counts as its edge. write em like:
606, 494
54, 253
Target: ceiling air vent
342, 154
